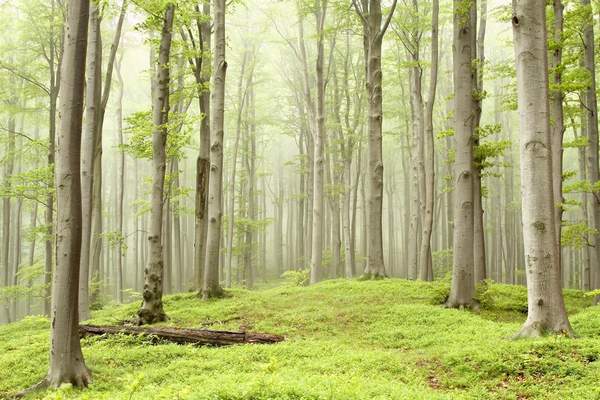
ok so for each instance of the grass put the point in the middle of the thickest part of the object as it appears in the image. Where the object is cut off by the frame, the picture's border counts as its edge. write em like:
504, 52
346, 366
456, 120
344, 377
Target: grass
344, 340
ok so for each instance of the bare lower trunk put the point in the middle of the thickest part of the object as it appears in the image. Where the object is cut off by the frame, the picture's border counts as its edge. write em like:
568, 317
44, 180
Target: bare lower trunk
66, 359
546, 309
152, 307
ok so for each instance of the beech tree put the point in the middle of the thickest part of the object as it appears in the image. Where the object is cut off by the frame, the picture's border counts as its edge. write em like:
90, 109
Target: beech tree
369, 12
152, 306
211, 286
546, 308
67, 364
462, 288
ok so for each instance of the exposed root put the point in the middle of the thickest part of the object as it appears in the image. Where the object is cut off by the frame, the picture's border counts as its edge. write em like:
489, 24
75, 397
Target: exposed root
369, 276
80, 377
43, 384
533, 330
473, 305
212, 293
146, 317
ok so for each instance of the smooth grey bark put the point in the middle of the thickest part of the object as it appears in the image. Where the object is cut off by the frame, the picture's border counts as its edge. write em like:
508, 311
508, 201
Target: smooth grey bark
32, 247
54, 88
348, 145
97, 223
201, 44
593, 167
581, 160
462, 287
557, 126
425, 261
299, 261
310, 130
66, 359
250, 139
121, 186
92, 109
416, 164
151, 309
373, 32
6, 209
479, 251
278, 235
242, 92
546, 309
211, 285
316, 273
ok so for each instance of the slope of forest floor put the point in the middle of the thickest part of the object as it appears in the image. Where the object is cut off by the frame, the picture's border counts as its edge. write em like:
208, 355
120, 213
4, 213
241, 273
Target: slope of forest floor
386, 339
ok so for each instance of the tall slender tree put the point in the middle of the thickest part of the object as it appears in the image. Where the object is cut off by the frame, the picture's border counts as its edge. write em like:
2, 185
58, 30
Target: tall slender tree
152, 306
319, 149
546, 308
462, 288
66, 359
211, 286
370, 14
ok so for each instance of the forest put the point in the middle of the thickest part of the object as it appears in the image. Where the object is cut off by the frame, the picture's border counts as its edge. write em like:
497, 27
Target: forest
299, 199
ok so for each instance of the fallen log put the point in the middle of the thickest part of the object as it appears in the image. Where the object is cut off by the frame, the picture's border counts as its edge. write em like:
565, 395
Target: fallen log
201, 337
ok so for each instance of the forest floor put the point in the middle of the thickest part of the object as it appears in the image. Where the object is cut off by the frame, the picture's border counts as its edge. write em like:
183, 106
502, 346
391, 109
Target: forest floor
385, 339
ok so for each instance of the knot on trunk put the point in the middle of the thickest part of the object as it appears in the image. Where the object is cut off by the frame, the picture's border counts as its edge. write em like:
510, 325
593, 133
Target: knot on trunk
539, 226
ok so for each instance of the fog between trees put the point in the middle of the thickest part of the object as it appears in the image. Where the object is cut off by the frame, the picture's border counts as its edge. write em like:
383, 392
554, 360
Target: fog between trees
165, 147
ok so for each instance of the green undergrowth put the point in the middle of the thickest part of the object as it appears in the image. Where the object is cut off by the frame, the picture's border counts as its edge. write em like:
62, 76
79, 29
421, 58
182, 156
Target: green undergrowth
386, 339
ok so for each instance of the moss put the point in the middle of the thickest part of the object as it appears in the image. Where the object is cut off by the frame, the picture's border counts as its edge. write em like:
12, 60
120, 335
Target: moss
344, 340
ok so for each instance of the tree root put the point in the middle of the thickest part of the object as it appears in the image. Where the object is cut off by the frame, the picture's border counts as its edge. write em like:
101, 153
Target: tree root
43, 384
533, 330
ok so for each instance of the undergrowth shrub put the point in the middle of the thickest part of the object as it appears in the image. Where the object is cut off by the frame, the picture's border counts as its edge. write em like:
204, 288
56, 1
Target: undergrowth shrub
299, 277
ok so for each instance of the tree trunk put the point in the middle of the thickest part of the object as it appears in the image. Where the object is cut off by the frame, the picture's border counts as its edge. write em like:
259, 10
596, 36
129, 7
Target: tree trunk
121, 188
546, 309
316, 273
429, 153
593, 171
211, 285
373, 33
202, 73
93, 98
231, 197
66, 359
6, 210
152, 307
249, 267
557, 127
462, 288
